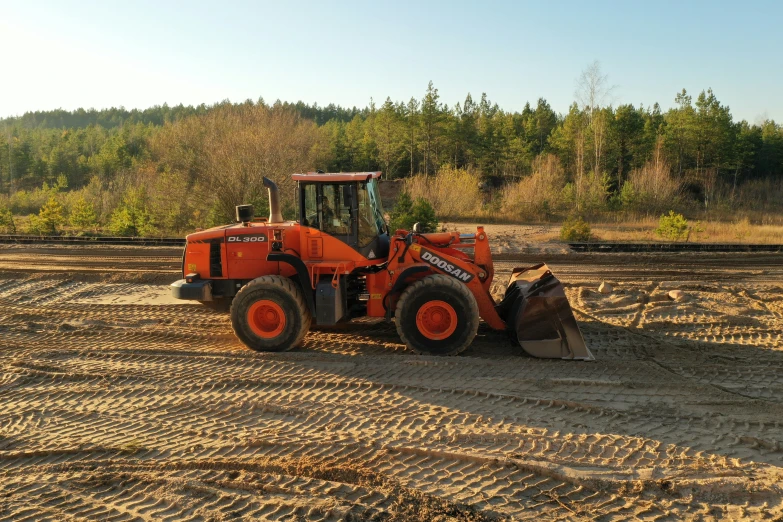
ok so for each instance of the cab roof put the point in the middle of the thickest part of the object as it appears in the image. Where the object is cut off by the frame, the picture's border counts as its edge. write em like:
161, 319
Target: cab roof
335, 176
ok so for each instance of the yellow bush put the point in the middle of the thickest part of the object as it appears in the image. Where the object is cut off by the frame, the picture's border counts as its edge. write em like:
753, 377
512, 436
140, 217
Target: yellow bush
673, 226
539, 194
453, 193
651, 187
49, 218
575, 229
7, 223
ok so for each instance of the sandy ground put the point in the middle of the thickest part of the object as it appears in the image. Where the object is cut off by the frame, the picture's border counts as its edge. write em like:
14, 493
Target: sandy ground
517, 239
119, 404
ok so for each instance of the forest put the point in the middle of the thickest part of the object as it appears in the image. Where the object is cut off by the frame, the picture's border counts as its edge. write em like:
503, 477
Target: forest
169, 169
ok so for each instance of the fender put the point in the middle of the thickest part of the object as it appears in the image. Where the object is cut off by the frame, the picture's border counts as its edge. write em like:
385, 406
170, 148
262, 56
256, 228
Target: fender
468, 274
302, 274
400, 282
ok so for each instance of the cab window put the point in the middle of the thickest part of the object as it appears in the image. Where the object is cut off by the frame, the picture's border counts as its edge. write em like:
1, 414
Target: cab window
368, 227
377, 205
310, 206
336, 215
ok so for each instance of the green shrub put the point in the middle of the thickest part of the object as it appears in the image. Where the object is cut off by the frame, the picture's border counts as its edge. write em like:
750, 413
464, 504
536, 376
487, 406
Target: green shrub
7, 224
61, 184
593, 192
131, 217
398, 217
25, 203
423, 214
628, 196
121, 223
407, 212
48, 219
83, 215
575, 229
672, 226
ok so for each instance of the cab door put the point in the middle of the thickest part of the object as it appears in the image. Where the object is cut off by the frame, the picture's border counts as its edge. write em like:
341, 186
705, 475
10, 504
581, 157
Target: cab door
339, 218
330, 208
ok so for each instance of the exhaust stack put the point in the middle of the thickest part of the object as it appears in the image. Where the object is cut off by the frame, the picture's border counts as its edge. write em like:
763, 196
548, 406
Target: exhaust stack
274, 201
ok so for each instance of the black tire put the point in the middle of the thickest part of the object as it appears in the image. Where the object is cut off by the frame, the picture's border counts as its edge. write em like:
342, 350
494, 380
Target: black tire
284, 293
437, 288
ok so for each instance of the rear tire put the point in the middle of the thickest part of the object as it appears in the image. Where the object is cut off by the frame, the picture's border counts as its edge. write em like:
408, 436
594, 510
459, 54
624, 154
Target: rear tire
437, 315
269, 314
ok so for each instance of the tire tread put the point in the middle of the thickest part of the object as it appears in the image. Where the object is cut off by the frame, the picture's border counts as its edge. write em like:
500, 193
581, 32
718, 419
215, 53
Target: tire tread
290, 288
433, 281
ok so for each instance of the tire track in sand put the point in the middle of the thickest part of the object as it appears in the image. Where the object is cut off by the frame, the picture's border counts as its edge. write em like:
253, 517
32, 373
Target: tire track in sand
140, 411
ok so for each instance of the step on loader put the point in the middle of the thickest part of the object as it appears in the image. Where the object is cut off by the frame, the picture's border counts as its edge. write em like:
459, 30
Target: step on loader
340, 261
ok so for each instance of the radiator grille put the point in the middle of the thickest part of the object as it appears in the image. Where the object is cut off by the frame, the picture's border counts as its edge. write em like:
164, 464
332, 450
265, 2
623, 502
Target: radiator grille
215, 259
316, 246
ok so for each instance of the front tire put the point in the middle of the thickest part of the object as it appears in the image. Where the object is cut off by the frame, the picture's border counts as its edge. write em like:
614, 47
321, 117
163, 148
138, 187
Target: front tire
269, 314
437, 315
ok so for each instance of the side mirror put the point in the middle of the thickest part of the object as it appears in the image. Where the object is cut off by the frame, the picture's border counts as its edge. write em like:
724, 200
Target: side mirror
417, 228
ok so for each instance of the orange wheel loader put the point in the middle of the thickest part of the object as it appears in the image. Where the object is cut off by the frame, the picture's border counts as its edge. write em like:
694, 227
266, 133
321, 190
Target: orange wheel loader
340, 261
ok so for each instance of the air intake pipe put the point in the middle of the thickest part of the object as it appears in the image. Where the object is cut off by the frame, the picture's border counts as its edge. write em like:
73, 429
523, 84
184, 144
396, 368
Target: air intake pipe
274, 201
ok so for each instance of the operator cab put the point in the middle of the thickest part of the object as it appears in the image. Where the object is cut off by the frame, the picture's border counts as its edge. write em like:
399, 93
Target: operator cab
346, 206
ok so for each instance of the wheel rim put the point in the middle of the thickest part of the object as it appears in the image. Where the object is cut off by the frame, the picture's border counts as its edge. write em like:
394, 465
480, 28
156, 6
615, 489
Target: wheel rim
266, 318
436, 320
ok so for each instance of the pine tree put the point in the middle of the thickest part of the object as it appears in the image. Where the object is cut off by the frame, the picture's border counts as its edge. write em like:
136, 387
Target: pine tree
83, 215
407, 212
412, 116
423, 214
431, 118
389, 137
398, 217
132, 218
626, 132
7, 223
545, 122
49, 218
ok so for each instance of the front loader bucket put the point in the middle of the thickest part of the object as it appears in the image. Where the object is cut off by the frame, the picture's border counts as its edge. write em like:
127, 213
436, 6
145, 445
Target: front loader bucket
538, 316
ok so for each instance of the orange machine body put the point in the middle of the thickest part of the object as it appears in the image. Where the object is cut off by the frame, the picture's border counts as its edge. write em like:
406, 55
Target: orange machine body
235, 254
345, 263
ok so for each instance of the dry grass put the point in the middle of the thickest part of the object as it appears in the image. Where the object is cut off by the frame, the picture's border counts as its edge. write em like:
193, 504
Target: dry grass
632, 230
547, 196
643, 229
539, 194
651, 187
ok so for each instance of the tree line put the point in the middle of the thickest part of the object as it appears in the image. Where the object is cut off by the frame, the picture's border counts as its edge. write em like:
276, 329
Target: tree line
696, 145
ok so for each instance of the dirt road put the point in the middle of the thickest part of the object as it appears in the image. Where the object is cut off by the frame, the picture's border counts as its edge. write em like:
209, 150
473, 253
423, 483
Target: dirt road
119, 404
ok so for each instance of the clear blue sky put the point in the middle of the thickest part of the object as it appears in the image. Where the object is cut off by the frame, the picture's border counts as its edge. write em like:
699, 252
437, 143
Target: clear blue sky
70, 54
